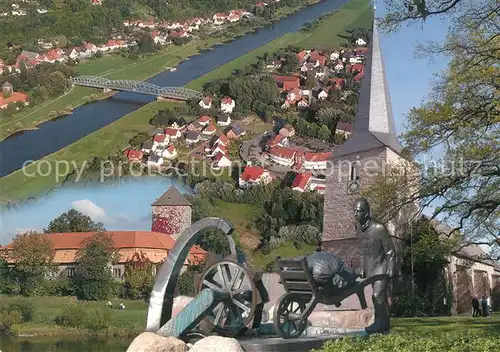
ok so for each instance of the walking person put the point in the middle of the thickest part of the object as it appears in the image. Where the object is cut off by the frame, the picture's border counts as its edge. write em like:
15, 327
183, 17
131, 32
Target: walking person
475, 306
484, 304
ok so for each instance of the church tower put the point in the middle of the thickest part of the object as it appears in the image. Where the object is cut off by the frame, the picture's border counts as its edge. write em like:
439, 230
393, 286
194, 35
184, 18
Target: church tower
372, 146
171, 213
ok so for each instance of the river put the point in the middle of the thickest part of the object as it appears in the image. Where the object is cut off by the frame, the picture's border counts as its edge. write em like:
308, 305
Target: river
57, 134
22, 344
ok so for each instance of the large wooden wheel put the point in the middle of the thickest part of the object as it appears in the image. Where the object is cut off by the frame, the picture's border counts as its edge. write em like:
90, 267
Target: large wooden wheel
289, 321
234, 315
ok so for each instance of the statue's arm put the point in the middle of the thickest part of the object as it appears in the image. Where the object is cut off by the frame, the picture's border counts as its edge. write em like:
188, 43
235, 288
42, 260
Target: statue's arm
390, 253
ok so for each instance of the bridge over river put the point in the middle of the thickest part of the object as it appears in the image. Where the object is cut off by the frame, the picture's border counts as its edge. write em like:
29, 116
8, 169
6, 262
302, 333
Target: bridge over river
177, 93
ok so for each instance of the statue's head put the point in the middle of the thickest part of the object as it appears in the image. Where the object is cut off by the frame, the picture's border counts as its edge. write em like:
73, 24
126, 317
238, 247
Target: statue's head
362, 210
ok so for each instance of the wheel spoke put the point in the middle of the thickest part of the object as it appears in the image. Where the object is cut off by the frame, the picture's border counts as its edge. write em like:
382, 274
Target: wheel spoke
223, 276
218, 316
212, 285
296, 310
235, 277
241, 305
294, 326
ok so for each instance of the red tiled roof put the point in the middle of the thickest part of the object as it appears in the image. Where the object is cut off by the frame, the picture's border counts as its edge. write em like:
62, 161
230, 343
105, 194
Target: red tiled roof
204, 118
346, 127
219, 156
276, 140
226, 100
134, 155
13, 98
301, 55
317, 157
171, 148
160, 138
223, 139
252, 173
285, 153
66, 244
210, 128
285, 78
318, 57
169, 131
301, 180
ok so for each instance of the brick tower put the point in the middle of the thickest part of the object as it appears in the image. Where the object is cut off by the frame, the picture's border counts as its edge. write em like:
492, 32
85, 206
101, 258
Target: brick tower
372, 146
171, 213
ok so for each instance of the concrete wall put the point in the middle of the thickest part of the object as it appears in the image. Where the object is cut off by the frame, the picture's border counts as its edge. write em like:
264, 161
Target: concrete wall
481, 280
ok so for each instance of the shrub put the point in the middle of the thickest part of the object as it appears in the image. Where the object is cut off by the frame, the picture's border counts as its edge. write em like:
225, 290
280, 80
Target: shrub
97, 319
72, 315
25, 308
453, 342
58, 287
186, 284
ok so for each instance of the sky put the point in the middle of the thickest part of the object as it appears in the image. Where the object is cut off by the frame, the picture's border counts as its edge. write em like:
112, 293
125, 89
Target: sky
126, 206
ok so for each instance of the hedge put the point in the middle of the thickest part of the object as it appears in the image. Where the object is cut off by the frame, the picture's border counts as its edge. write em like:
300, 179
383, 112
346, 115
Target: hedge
411, 342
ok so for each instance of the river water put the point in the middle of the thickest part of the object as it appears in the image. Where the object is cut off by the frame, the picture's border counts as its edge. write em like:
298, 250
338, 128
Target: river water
55, 135
22, 344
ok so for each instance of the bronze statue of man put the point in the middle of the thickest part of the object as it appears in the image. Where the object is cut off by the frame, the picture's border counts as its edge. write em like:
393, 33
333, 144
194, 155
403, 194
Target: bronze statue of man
379, 258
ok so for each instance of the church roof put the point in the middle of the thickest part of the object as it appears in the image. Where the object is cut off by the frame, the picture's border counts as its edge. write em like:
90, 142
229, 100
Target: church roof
172, 197
374, 122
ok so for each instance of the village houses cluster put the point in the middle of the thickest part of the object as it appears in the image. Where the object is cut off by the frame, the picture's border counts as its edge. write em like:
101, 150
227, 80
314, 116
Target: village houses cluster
326, 68
202, 131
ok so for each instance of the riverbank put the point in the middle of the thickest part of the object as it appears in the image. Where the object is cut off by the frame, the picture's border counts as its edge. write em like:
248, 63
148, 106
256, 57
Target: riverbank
108, 140
115, 66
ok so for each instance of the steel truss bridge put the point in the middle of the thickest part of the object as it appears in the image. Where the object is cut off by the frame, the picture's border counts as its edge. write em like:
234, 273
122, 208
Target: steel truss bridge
177, 93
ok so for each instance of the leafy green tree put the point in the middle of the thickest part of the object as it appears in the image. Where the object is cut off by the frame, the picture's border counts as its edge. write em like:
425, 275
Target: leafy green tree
33, 257
311, 81
92, 279
6, 277
73, 221
139, 277
456, 131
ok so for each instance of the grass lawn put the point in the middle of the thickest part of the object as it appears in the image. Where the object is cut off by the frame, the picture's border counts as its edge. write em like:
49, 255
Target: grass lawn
115, 136
130, 321
447, 324
260, 261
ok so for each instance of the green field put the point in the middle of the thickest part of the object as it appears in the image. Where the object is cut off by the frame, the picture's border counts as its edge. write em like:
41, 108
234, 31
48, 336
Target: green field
108, 140
132, 320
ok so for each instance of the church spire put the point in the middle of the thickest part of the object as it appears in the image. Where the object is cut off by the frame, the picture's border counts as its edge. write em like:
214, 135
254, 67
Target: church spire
374, 122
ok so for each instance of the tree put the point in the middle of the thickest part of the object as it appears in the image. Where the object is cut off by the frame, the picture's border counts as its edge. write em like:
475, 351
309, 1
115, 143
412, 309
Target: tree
92, 278
139, 277
311, 81
73, 221
33, 257
457, 129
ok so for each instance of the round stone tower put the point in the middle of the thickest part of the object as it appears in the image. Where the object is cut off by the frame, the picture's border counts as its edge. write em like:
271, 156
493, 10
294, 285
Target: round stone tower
171, 213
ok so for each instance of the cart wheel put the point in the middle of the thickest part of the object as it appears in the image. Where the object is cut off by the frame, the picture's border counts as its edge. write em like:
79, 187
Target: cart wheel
289, 321
233, 316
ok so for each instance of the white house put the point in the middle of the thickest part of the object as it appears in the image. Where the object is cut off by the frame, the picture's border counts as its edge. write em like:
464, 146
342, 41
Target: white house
339, 66
192, 137
209, 130
224, 120
204, 120
205, 103
170, 152
303, 104
360, 42
155, 160
254, 175
148, 147
316, 161
172, 133
356, 60
301, 182
41, 11
334, 55
221, 160
227, 105
322, 95
218, 149
283, 156
222, 140
160, 140
74, 53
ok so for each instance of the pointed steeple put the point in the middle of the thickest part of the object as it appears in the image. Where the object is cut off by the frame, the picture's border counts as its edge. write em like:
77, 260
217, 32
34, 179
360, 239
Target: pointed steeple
374, 122
172, 197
